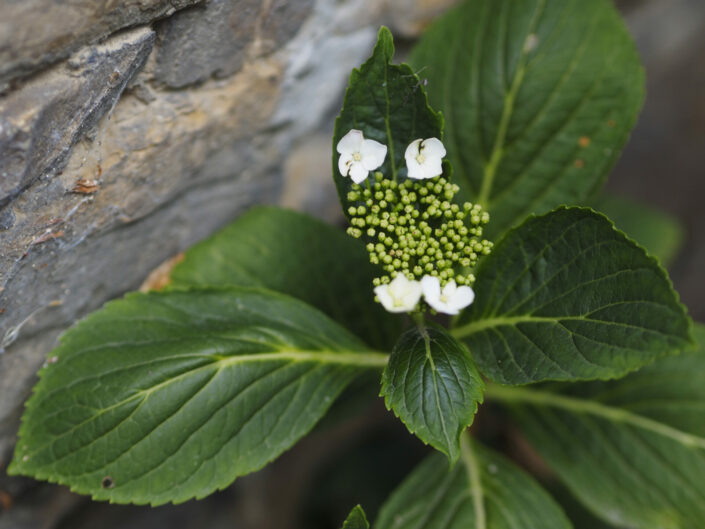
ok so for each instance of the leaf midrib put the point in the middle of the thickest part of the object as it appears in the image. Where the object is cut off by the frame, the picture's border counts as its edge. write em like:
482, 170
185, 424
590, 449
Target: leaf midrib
590, 407
503, 321
507, 110
477, 492
345, 358
434, 371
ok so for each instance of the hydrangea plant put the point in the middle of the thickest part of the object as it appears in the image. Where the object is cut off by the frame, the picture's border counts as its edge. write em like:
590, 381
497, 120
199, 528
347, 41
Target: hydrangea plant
472, 270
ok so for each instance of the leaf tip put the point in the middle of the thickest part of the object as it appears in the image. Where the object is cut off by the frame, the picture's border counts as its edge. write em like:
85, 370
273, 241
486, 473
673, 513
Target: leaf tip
356, 519
385, 43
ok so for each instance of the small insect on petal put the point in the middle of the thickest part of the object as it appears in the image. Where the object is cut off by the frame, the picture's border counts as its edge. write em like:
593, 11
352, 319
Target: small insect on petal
424, 158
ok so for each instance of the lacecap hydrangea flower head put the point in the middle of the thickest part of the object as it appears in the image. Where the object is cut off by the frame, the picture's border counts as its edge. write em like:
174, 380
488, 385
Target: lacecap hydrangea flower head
425, 244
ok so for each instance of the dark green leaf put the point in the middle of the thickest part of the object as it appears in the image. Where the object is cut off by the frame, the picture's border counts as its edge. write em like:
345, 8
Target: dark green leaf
482, 491
565, 296
300, 256
579, 516
388, 104
659, 233
432, 385
538, 97
356, 519
171, 396
632, 450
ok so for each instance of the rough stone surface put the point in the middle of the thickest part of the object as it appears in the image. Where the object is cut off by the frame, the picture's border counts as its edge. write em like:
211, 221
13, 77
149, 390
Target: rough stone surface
34, 33
281, 19
214, 39
76, 94
206, 41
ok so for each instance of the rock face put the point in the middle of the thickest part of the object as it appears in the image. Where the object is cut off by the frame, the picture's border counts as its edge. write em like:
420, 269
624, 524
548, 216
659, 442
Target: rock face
129, 130
37, 32
76, 93
205, 41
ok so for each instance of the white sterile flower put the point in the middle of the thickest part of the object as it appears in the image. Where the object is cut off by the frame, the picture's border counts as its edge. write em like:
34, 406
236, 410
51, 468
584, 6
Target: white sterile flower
449, 300
423, 158
401, 295
359, 156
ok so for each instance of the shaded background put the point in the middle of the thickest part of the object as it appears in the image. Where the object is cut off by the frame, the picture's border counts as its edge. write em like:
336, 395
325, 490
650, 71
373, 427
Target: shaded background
361, 452
663, 164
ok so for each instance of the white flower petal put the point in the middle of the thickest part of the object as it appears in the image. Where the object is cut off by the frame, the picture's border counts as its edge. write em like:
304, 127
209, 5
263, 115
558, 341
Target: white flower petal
414, 169
373, 154
344, 163
401, 295
385, 298
439, 306
432, 294
451, 299
449, 289
351, 142
433, 148
464, 296
358, 173
431, 287
412, 151
424, 158
433, 168
408, 292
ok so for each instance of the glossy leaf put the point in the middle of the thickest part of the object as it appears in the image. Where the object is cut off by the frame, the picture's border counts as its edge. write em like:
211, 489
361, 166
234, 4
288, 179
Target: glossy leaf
387, 102
170, 396
659, 233
297, 255
566, 296
356, 519
482, 491
632, 450
432, 385
538, 97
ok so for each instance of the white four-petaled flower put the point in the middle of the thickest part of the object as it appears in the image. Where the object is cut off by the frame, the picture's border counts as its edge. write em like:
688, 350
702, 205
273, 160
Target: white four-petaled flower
423, 158
359, 156
401, 295
451, 299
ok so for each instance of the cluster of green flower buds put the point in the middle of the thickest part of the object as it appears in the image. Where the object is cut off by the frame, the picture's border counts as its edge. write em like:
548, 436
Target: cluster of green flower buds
415, 228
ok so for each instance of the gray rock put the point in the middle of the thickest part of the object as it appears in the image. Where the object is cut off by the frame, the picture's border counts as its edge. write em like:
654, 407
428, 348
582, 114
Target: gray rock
213, 40
41, 122
282, 20
34, 33
205, 41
